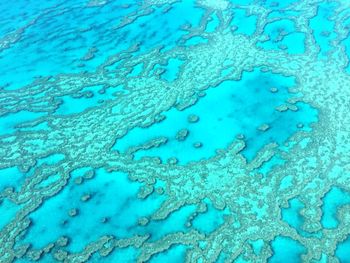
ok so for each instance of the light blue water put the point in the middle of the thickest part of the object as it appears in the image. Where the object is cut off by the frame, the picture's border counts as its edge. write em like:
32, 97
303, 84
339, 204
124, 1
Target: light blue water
270, 4
113, 197
175, 222
9, 122
342, 251
241, 2
346, 44
173, 255
257, 246
87, 98
332, 201
240, 259
213, 23
40, 126
20, 14
128, 255
63, 45
286, 250
292, 214
210, 220
171, 69
283, 14
10, 177
245, 106
323, 259
278, 4
136, 71
8, 211
323, 27
51, 159
59, 38
267, 167
196, 40
222, 257
242, 23
283, 36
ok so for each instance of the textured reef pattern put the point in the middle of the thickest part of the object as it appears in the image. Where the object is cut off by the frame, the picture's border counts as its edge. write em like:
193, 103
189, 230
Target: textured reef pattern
175, 131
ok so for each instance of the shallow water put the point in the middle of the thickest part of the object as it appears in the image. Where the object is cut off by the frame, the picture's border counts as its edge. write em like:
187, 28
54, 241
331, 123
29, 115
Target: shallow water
286, 250
245, 105
174, 131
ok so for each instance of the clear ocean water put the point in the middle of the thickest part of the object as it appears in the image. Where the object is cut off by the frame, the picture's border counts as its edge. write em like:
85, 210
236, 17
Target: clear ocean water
175, 131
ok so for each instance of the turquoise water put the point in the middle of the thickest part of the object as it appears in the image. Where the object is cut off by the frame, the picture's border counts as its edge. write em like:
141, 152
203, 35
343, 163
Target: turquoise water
10, 177
87, 98
324, 34
127, 254
169, 71
282, 35
342, 251
217, 127
113, 190
174, 131
279, 3
10, 122
8, 210
283, 13
210, 220
286, 250
292, 214
196, 40
63, 45
243, 23
257, 246
332, 201
213, 23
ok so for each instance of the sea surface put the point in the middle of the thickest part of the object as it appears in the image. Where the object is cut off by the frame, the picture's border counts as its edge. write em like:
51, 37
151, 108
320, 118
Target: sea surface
175, 131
